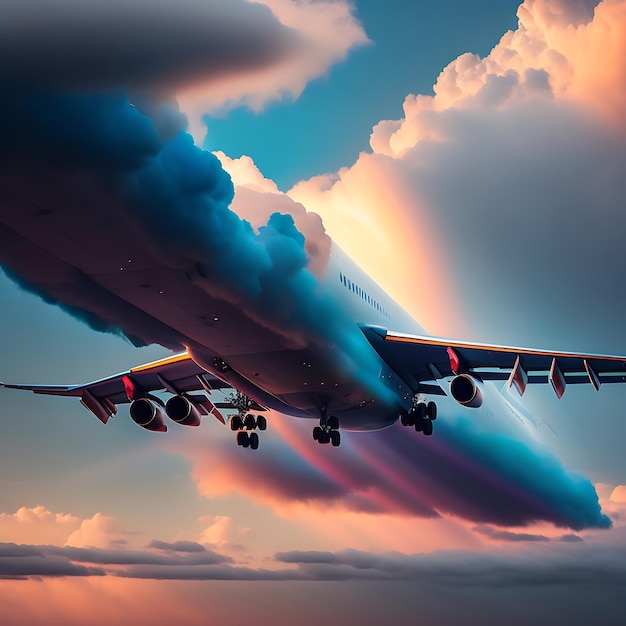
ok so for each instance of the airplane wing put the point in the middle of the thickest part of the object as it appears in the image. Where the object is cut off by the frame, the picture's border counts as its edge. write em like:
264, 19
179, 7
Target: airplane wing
419, 359
177, 374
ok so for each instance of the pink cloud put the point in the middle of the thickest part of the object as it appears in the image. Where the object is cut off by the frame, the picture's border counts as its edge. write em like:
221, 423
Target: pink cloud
100, 531
37, 522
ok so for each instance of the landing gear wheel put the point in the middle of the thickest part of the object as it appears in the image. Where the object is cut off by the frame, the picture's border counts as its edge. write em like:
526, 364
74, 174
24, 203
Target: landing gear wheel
427, 427
405, 418
261, 422
419, 424
335, 438
250, 422
431, 411
243, 439
333, 422
254, 441
420, 412
236, 423
324, 437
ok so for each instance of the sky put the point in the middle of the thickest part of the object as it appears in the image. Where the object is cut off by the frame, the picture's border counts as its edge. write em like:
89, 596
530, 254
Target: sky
470, 156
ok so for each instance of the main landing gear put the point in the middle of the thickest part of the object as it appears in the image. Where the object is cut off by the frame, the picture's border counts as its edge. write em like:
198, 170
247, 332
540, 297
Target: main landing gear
328, 431
421, 416
244, 423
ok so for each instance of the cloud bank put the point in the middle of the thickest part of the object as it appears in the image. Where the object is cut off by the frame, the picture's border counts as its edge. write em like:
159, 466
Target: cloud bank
509, 171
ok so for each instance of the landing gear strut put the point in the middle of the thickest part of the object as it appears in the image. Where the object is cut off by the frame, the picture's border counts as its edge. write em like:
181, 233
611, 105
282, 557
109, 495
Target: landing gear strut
244, 422
421, 415
328, 431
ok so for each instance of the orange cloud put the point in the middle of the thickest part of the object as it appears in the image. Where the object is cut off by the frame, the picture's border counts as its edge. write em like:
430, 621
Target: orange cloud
100, 531
37, 525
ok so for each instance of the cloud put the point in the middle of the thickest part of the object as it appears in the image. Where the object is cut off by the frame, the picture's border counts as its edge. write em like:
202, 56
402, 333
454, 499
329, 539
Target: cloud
37, 521
575, 563
20, 561
469, 469
514, 152
257, 198
98, 531
211, 54
466, 569
138, 44
177, 546
165, 203
326, 31
619, 494
510, 536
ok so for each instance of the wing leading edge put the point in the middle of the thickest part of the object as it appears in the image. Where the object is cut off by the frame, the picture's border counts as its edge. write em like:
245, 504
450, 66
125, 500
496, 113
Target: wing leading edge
177, 374
420, 358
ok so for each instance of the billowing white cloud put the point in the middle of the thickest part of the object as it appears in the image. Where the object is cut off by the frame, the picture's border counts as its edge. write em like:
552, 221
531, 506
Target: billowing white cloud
510, 171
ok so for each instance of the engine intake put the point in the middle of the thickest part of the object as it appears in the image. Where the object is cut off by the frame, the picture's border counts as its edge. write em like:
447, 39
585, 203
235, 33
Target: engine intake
182, 411
466, 390
147, 415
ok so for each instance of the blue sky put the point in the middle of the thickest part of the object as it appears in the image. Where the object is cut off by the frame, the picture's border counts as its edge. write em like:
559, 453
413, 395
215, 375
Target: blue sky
491, 208
330, 123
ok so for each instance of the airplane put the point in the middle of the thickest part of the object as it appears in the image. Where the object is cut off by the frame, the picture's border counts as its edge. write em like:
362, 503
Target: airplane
399, 371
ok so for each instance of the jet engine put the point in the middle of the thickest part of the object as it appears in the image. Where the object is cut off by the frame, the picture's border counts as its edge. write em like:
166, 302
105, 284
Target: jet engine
466, 390
182, 411
147, 415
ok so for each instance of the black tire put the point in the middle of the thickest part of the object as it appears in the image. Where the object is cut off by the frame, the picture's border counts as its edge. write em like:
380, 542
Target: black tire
235, 423
419, 424
324, 437
261, 422
431, 411
254, 441
335, 438
428, 427
420, 412
250, 422
317, 431
333, 422
243, 439
404, 418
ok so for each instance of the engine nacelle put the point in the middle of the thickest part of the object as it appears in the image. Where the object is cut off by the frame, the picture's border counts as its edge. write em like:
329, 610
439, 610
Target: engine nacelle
466, 390
147, 415
182, 411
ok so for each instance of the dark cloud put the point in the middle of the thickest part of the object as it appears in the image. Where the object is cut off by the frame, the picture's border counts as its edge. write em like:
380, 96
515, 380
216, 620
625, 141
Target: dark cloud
137, 44
507, 535
126, 187
577, 564
137, 557
18, 561
29, 560
468, 469
178, 546
218, 572
537, 568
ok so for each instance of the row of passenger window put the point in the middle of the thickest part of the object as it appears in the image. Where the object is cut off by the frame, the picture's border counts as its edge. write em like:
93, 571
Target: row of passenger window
362, 294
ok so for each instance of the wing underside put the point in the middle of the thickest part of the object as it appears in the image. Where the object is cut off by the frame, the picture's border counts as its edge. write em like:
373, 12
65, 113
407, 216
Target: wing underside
177, 374
420, 359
